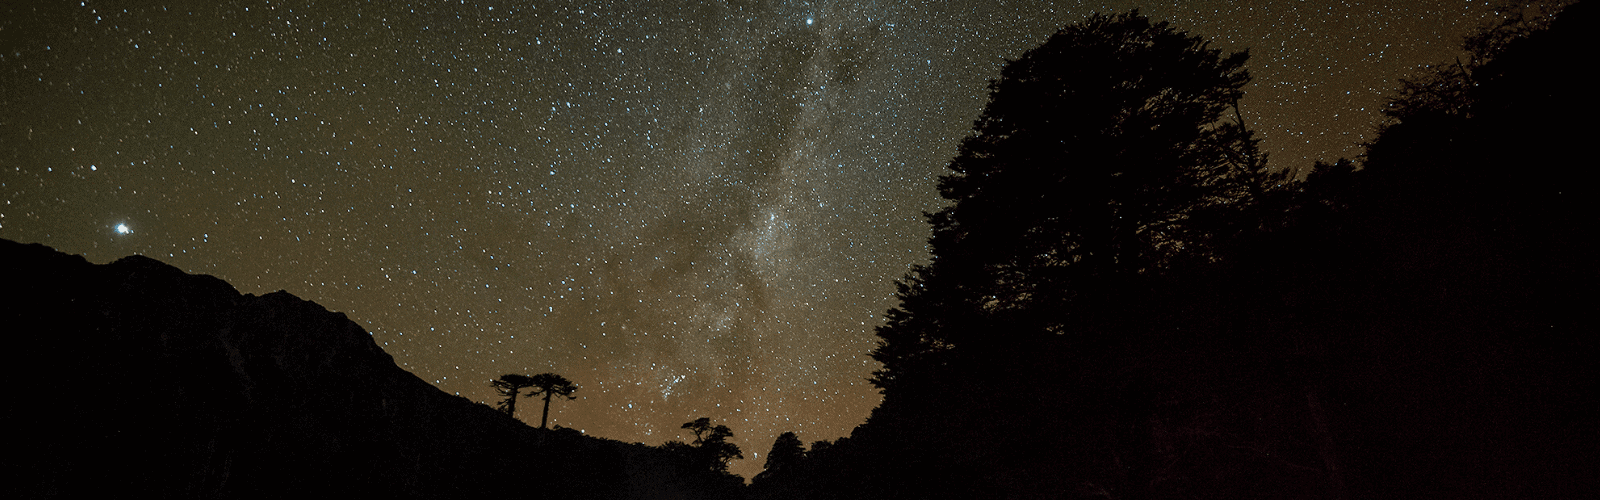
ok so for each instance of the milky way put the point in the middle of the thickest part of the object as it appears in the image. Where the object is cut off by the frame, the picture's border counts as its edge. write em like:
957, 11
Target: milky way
688, 209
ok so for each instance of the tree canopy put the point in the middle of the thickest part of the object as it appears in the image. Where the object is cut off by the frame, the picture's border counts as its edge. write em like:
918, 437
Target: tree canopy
1107, 151
787, 451
711, 446
550, 384
509, 385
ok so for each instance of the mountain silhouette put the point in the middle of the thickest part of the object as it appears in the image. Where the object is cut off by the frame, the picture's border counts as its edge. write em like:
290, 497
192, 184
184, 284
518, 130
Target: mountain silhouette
137, 377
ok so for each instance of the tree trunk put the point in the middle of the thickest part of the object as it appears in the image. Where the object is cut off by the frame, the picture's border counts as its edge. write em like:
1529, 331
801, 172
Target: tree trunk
546, 418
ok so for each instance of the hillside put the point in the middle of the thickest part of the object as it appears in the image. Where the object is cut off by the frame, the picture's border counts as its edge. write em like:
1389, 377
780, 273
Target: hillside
140, 377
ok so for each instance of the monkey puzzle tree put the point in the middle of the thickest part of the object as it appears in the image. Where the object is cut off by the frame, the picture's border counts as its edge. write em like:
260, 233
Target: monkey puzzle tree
509, 385
550, 384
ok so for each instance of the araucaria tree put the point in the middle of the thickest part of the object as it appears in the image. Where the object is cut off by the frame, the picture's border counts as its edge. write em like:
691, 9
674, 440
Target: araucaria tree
509, 385
550, 384
1108, 152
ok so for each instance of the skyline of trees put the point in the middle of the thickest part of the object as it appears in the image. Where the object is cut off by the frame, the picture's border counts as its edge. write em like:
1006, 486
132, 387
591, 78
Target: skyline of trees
1021, 267
1403, 325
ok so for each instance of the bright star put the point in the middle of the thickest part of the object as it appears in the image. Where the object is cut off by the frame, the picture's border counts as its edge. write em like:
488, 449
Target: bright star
124, 229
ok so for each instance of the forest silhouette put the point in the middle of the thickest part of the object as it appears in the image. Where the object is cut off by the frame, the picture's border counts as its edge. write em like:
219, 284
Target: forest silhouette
1124, 301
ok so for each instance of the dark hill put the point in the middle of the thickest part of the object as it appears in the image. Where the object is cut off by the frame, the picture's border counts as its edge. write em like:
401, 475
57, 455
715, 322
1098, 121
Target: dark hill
137, 377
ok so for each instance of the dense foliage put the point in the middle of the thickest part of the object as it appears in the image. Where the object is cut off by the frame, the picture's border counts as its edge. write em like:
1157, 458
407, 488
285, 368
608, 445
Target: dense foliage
1122, 303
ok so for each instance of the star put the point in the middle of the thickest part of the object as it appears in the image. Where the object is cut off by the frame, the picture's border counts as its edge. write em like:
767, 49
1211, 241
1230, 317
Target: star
493, 192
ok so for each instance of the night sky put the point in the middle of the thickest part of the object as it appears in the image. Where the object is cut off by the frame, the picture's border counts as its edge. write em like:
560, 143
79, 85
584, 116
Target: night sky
687, 209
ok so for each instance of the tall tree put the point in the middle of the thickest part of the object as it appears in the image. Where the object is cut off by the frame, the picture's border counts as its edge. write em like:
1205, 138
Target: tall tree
509, 385
550, 384
1111, 150
1106, 158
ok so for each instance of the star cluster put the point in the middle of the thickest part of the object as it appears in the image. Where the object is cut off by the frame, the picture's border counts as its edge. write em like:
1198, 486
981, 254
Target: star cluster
689, 209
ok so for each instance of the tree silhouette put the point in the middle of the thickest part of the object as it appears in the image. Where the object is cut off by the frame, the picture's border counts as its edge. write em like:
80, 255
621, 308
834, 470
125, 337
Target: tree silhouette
550, 384
1107, 158
1326, 341
1108, 152
711, 444
787, 454
509, 385
1453, 87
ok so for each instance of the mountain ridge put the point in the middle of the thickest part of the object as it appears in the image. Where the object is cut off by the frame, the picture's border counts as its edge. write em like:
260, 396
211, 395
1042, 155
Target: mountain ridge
146, 378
